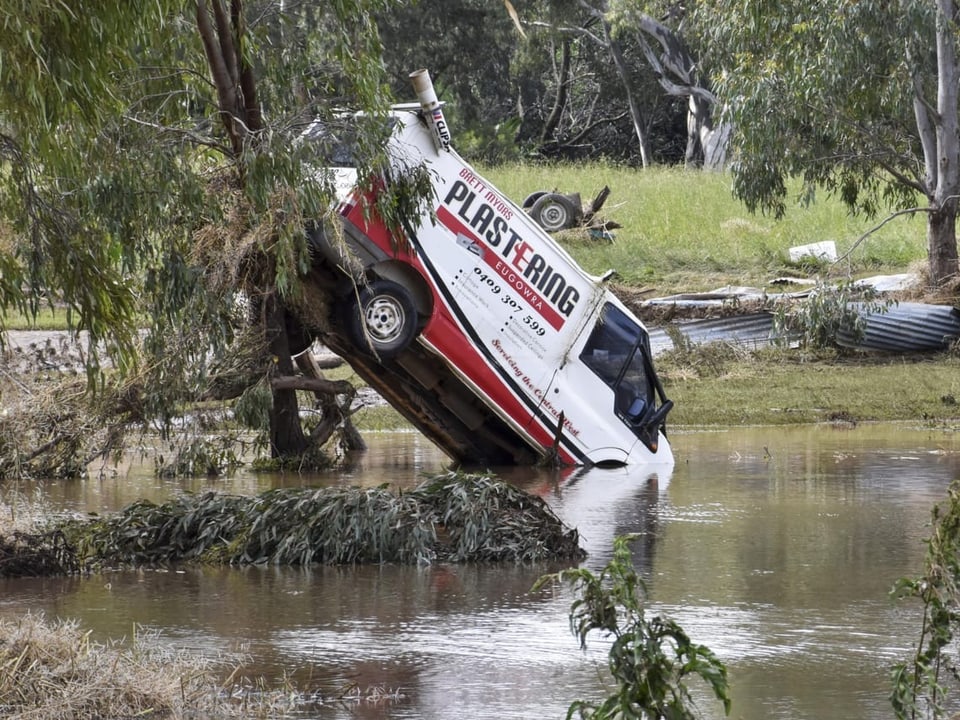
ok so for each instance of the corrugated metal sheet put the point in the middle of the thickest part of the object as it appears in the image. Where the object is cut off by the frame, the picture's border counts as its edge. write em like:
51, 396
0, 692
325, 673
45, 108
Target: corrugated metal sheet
905, 327
753, 330
902, 327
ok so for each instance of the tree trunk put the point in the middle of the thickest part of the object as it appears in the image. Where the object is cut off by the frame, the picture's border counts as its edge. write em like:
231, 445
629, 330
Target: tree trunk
616, 54
286, 433
560, 101
326, 395
942, 243
623, 72
943, 167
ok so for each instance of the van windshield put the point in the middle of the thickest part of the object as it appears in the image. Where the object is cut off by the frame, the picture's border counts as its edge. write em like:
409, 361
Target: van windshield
616, 351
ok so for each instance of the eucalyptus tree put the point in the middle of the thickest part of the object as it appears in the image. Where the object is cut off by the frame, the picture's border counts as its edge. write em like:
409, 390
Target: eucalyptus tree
589, 20
469, 47
572, 100
859, 98
662, 31
151, 171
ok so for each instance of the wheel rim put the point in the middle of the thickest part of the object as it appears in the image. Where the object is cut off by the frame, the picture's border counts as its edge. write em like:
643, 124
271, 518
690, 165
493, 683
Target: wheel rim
553, 216
385, 319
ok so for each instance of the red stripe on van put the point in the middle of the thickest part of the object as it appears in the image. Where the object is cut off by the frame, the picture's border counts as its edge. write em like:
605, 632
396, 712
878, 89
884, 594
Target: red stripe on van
446, 336
504, 270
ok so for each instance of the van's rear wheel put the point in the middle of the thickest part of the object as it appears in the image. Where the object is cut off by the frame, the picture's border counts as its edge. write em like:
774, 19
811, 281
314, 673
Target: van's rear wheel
381, 317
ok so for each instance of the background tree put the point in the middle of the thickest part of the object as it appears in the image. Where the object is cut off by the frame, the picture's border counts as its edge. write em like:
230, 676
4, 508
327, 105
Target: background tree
598, 97
151, 172
857, 98
550, 91
661, 31
468, 46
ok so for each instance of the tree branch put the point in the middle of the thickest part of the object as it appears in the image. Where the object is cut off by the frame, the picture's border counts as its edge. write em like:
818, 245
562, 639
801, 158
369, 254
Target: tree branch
596, 123
906, 180
560, 101
871, 231
189, 134
314, 385
222, 80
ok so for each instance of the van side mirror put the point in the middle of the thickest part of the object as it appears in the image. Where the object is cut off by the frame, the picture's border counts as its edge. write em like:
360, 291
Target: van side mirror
649, 432
659, 415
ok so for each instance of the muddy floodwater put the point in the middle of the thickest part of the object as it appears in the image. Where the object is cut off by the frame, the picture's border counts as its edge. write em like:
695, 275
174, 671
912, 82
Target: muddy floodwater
776, 548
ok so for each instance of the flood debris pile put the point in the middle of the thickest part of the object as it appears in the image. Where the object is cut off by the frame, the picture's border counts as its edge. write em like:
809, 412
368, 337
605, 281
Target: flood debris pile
27, 547
25, 554
53, 671
452, 517
45, 431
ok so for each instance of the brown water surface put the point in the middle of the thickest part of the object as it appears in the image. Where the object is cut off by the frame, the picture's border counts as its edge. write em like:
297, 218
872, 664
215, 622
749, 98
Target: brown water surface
774, 547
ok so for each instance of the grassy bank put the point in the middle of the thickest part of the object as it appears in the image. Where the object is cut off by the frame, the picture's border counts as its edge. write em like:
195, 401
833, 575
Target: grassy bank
726, 386
782, 387
47, 319
683, 231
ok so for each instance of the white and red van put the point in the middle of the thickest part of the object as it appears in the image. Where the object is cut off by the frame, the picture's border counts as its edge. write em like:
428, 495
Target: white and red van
484, 333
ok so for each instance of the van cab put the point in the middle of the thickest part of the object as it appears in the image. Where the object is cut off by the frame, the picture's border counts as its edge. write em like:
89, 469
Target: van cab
485, 333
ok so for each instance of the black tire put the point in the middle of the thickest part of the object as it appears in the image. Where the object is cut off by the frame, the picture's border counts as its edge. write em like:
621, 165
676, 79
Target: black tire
381, 318
530, 199
555, 212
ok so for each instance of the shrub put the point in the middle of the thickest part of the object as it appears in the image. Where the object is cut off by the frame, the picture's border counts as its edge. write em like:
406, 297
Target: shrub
650, 658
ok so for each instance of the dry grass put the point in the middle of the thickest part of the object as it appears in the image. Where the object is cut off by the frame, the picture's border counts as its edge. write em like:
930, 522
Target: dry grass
244, 252
46, 428
54, 671
19, 513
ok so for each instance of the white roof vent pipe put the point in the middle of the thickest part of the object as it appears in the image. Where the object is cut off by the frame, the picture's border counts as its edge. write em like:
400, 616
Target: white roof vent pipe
432, 109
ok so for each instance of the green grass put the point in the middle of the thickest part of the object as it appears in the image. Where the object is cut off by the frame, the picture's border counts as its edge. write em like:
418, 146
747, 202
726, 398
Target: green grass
47, 319
378, 418
683, 231
780, 387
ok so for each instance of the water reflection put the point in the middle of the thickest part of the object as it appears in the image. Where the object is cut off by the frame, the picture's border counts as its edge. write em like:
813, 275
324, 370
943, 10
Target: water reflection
776, 548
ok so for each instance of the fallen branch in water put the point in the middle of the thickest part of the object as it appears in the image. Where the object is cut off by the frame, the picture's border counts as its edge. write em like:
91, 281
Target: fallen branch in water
453, 517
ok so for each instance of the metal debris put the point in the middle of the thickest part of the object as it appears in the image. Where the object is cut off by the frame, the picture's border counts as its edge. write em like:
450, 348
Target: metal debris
754, 331
904, 327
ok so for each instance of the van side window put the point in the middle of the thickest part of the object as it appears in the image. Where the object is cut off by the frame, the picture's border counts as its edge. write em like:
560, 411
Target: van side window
614, 351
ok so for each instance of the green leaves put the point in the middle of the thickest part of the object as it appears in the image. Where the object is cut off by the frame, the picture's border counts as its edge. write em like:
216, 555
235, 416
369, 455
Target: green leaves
650, 659
114, 151
920, 684
829, 310
817, 91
